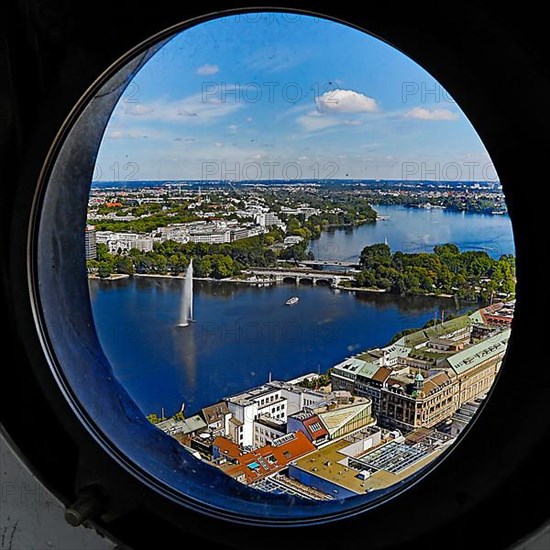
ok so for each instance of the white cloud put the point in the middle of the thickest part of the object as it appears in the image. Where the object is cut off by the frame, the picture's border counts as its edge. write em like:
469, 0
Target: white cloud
346, 101
314, 121
195, 109
134, 133
116, 134
249, 119
302, 158
137, 109
334, 103
207, 70
420, 113
232, 128
354, 122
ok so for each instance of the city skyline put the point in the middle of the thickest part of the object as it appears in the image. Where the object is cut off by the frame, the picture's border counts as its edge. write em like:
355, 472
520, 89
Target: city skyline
215, 103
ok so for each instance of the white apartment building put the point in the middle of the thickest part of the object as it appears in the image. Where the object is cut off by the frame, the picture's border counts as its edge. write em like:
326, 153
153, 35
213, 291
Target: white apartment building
123, 242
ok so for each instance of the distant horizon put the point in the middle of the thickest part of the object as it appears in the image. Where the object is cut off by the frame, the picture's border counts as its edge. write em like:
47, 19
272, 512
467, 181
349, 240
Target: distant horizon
313, 181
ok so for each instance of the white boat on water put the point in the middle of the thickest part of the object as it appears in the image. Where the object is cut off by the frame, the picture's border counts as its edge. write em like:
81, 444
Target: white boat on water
292, 301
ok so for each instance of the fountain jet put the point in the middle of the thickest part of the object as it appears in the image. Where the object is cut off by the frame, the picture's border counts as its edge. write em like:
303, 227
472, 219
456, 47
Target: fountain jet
186, 308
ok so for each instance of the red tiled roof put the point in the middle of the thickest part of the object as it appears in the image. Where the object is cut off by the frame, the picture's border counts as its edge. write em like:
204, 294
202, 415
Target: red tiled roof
266, 460
491, 313
227, 447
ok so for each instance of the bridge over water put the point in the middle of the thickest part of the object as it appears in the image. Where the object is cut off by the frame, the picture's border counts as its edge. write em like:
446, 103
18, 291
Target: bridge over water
326, 263
302, 276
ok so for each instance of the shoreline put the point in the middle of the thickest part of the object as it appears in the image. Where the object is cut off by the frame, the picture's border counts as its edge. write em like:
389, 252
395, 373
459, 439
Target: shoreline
421, 206
267, 282
382, 291
208, 279
360, 289
111, 277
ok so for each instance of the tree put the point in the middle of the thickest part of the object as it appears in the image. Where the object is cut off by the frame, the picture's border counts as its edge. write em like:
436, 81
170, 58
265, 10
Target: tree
103, 252
154, 418
203, 267
375, 254
222, 266
292, 226
123, 264
448, 248
472, 275
104, 269
92, 265
366, 279
160, 263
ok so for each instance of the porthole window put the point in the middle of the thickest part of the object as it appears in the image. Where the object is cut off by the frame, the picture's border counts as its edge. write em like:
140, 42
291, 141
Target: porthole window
285, 265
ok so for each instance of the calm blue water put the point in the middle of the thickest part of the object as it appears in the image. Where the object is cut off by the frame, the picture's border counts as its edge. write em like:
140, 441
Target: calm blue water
419, 230
244, 333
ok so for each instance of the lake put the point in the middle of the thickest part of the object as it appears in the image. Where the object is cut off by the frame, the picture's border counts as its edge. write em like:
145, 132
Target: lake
244, 334
419, 230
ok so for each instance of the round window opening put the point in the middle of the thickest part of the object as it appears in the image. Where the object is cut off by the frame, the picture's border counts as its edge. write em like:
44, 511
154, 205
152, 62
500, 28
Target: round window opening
275, 270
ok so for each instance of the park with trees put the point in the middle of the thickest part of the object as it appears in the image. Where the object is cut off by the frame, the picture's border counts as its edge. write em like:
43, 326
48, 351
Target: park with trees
469, 275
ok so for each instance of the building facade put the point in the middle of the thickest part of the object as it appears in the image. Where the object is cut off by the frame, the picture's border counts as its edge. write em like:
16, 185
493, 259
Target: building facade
90, 244
437, 371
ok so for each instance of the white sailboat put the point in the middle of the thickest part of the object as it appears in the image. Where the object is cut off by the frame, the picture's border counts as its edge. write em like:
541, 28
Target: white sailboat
186, 308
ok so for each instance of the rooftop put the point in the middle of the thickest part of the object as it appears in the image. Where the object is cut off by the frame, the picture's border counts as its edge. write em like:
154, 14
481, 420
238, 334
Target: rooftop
501, 311
338, 417
249, 396
214, 413
382, 374
315, 427
325, 464
270, 422
435, 382
192, 424
294, 388
281, 484
477, 318
368, 370
406, 381
259, 463
367, 356
352, 364
479, 353
428, 355
436, 331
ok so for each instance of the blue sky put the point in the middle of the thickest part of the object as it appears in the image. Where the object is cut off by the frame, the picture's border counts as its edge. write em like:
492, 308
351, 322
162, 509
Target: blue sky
281, 96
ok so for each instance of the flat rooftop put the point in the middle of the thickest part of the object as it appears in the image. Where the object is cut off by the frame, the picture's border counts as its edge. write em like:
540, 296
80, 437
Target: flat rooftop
254, 393
325, 463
